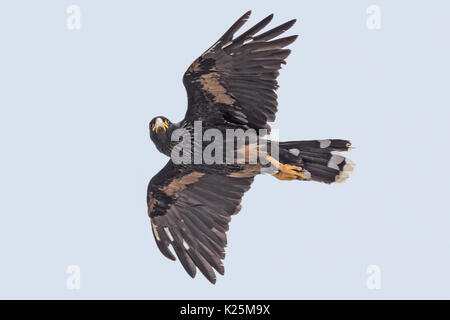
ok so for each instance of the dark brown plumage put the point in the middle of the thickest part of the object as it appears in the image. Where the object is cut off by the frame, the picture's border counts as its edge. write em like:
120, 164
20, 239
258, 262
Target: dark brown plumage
230, 86
237, 78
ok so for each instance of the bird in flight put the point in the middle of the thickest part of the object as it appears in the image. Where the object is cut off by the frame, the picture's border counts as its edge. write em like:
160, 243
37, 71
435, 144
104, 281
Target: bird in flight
231, 86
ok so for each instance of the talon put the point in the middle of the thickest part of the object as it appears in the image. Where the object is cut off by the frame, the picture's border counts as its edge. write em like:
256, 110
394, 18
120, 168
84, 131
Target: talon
292, 171
287, 171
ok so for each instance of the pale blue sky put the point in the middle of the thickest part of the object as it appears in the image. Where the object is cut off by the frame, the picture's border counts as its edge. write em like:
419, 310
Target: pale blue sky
76, 157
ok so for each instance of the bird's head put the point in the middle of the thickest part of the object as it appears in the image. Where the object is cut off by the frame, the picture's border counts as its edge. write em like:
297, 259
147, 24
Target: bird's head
159, 132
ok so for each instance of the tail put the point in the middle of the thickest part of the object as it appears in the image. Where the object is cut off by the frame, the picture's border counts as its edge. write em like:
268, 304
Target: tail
315, 160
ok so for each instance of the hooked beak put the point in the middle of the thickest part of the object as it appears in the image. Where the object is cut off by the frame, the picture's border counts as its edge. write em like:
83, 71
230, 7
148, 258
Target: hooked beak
159, 123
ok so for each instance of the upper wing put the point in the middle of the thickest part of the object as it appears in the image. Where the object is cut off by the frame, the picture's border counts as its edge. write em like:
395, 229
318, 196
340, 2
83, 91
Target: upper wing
190, 210
234, 81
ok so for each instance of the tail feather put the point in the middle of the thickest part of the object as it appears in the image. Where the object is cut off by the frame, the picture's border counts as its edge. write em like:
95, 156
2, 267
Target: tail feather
327, 144
318, 159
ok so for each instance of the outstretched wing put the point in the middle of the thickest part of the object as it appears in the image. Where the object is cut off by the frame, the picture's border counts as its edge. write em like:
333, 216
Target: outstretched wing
190, 210
233, 83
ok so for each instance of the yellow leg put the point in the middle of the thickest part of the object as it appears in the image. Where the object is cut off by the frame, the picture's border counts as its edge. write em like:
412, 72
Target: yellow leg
287, 171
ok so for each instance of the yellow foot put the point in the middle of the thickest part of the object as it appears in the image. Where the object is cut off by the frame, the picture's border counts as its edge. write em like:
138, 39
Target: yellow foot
287, 171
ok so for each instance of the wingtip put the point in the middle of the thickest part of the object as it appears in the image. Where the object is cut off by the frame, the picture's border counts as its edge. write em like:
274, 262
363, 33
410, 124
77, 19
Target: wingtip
289, 24
172, 258
212, 280
289, 40
193, 273
268, 18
